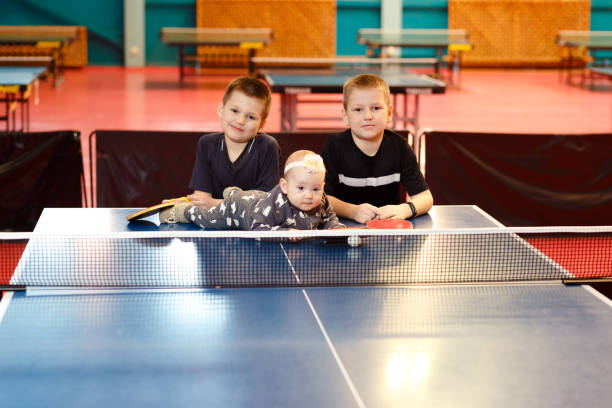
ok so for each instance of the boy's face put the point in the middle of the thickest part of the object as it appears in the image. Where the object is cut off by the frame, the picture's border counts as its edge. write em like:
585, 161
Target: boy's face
367, 113
241, 117
304, 189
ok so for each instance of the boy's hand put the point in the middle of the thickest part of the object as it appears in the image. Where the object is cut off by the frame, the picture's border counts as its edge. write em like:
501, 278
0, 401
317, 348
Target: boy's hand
366, 212
395, 211
203, 199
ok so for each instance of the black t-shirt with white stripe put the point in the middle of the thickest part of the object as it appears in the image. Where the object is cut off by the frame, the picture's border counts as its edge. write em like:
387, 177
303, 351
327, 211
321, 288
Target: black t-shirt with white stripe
357, 178
255, 169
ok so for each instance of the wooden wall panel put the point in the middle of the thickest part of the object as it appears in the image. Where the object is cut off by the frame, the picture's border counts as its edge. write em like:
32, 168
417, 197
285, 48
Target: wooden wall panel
516, 32
302, 28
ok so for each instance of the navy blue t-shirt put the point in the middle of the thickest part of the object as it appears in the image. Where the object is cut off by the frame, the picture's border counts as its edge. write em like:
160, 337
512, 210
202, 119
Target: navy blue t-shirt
356, 178
255, 169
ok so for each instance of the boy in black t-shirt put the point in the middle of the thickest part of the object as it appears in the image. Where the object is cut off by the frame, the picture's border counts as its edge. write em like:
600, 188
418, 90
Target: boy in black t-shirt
240, 156
366, 164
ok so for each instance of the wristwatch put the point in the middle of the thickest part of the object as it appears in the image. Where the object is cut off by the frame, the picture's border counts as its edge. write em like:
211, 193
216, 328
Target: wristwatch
413, 209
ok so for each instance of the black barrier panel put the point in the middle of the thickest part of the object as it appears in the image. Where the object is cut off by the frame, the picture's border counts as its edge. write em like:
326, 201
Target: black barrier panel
38, 170
524, 179
140, 168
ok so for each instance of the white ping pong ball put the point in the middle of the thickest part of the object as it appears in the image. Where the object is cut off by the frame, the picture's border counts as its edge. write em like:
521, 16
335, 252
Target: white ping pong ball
354, 241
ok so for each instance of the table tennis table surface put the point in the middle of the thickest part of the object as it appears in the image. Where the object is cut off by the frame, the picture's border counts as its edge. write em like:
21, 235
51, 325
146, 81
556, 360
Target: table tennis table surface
607, 71
501, 345
21, 76
412, 37
23, 36
293, 82
15, 82
214, 36
330, 80
592, 40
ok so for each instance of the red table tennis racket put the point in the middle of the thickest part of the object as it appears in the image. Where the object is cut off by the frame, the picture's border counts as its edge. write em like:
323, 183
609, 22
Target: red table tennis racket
391, 223
355, 241
154, 209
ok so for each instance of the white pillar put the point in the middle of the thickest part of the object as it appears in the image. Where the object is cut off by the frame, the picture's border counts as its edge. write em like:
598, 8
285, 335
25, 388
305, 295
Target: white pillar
134, 33
391, 19
391, 14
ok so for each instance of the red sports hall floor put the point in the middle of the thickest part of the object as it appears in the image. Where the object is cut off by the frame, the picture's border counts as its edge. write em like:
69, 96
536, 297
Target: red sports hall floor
150, 98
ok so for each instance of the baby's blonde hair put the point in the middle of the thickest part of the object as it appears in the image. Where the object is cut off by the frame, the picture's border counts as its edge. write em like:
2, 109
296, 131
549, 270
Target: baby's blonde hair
305, 158
362, 81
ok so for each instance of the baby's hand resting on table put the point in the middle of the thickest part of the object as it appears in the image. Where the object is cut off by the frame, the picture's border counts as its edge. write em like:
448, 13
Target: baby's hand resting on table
294, 239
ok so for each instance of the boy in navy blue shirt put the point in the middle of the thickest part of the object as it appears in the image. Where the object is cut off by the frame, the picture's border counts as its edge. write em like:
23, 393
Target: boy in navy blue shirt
240, 156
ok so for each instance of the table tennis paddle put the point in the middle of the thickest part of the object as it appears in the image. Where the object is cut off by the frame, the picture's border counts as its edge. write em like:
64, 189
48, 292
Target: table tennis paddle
390, 223
355, 240
154, 209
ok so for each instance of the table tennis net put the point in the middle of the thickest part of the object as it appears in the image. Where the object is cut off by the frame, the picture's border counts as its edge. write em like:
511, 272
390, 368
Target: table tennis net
195, 259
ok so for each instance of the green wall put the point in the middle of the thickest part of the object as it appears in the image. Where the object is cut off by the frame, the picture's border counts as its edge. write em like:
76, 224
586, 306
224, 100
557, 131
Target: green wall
353, 15
601, 15
104, 22
166, 13
103, 19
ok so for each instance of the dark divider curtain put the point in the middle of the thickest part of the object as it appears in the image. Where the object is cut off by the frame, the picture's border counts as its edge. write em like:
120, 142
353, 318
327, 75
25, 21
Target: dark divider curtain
38, 170
140, 168
524, 179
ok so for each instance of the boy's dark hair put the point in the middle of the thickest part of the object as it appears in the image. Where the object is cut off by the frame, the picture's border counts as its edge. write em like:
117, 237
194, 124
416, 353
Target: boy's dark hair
362, 81
250, 87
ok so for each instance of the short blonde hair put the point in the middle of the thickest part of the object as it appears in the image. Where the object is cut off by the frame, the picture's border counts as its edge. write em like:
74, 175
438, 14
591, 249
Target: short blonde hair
362, 81
253, 88
309, 159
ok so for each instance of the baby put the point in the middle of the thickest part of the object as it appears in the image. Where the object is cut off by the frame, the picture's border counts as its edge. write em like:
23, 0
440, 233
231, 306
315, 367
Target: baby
297, 202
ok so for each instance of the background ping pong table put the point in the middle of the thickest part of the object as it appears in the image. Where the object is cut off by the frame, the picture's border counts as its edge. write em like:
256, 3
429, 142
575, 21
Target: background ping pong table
607, 72
47, 43
503, 345
16, 87
456, 41
577, 42
292, 83
246, 38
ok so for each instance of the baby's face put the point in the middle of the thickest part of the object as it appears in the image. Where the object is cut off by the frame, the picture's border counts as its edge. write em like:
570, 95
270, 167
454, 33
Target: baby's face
241, 117
304, 189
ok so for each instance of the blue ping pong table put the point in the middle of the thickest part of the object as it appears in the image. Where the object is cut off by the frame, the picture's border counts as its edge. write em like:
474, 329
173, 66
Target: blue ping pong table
16, 87
292, 83
502, 345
